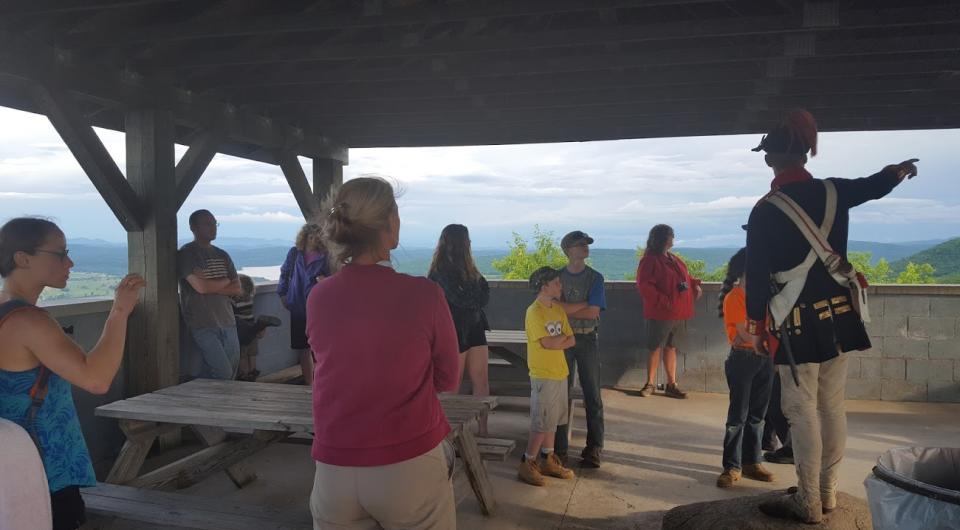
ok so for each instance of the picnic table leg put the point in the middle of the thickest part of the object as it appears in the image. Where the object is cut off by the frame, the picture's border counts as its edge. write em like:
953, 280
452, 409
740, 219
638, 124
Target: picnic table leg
475, 470
239, 474
140, 437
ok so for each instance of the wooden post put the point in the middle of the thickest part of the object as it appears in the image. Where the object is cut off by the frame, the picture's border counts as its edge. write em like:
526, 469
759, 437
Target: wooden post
153, 338
327, 174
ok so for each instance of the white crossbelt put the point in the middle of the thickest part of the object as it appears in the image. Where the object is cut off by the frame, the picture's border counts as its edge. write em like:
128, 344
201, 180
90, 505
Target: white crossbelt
794, 279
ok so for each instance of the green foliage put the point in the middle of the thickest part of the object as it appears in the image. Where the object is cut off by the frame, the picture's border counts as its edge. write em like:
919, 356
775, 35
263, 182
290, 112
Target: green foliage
917, 273
876, 274
696, 267
521, 260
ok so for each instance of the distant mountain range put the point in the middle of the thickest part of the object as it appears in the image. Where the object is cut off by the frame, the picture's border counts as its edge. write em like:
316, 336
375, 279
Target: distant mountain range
92, 255
944, 257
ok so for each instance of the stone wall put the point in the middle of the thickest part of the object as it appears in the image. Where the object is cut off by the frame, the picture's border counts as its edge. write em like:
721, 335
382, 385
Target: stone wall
915, 331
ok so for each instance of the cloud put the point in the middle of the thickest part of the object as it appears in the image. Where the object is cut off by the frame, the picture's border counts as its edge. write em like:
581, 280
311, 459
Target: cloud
264, 217
616, 190
47, 196
901, 211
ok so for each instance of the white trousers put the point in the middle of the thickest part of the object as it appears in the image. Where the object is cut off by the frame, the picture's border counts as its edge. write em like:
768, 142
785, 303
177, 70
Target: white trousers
818, 428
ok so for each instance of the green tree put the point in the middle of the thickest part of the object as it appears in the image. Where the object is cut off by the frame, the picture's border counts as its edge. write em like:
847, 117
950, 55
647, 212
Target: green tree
917, 273
876, 274
522, 259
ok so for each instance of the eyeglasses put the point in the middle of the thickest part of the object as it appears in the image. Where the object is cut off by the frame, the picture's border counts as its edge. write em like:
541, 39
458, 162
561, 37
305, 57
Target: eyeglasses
62, 255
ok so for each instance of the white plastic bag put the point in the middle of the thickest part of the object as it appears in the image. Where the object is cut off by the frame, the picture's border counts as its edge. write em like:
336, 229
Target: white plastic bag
915, 488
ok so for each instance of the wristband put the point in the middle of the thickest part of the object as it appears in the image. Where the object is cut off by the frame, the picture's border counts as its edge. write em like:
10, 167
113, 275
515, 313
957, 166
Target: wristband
755, 327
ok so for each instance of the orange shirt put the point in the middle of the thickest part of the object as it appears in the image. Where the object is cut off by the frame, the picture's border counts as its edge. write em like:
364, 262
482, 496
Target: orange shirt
735, 312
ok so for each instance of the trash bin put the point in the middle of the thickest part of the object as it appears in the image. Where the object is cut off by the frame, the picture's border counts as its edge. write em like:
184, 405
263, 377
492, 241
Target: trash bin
915, 488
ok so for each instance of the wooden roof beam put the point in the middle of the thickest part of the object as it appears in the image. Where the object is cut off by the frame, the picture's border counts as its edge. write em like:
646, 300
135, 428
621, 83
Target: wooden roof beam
193, 163
372, 16
511, 65
297, 179
37, 63
92, 156
655, 32
547, 84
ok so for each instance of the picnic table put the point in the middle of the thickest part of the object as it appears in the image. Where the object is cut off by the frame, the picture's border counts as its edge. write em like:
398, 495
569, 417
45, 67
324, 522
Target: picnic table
255, 415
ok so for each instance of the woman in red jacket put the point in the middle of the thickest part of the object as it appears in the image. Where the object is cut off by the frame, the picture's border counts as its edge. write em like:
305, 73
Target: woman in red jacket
668, 293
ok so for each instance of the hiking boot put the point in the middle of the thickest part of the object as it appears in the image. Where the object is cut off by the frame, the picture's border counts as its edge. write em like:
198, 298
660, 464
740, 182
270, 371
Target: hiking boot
728, 477
268, 321
787, 507
646, 390
674, 391
529, 472
552, 467
561, 456
784, 455
590, 457
757, 472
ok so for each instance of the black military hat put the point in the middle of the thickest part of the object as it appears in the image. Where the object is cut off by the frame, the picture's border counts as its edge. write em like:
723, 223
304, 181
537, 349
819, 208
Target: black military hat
796, 134
543, 276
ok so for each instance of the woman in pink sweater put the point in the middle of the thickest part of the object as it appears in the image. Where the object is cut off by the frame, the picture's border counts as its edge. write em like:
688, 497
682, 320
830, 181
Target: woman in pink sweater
385, 346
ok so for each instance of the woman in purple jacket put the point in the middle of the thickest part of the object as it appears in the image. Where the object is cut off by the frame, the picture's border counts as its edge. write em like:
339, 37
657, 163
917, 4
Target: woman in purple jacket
306, 264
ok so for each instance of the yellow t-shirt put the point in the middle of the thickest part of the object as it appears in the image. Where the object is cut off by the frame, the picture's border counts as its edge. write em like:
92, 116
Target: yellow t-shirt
542, 321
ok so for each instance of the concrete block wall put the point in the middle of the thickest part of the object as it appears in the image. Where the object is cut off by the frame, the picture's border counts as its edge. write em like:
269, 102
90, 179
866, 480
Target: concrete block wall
915, 331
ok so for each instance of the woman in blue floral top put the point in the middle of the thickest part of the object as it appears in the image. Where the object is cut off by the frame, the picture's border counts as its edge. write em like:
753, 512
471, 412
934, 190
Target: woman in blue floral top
38, 359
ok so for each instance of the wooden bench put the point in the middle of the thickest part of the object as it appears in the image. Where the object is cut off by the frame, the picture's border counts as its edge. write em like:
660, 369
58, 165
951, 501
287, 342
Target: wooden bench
497, 449
282, 376
108, 501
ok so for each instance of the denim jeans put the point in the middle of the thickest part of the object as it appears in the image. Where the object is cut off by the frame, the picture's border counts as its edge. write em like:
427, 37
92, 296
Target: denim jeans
220, 349
775, 421
584, 357
750, 379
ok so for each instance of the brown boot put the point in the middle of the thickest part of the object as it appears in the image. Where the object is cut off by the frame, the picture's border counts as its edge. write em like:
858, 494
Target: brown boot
787, 507
529, 472
552, 467
757, 472
728, 477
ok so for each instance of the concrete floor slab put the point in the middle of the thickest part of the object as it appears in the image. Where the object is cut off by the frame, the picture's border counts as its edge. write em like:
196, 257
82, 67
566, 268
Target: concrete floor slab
660, 453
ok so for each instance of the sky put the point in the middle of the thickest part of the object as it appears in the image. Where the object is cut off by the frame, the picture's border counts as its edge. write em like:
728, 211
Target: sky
615, 190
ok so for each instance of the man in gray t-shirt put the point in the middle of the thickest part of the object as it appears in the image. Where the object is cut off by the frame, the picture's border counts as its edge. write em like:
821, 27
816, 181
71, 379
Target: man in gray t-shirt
208, 279
582, 284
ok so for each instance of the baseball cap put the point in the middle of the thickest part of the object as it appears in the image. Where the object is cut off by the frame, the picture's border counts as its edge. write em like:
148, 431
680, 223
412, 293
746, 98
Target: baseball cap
542, 276
574, 238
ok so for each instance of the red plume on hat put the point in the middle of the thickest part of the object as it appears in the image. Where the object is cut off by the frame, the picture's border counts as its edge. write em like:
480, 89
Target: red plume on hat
795, 134
804, 128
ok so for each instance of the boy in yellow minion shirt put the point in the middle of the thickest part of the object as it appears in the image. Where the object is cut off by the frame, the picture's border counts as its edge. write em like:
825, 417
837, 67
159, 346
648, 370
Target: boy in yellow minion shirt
548, 334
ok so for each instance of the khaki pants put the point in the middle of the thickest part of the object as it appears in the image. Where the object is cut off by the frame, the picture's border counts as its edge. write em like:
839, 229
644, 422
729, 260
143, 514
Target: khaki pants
415, 494
818, 428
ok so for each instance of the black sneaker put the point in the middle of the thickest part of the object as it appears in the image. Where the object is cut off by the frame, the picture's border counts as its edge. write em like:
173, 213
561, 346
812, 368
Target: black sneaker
590, 457
784, 455
674, 391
